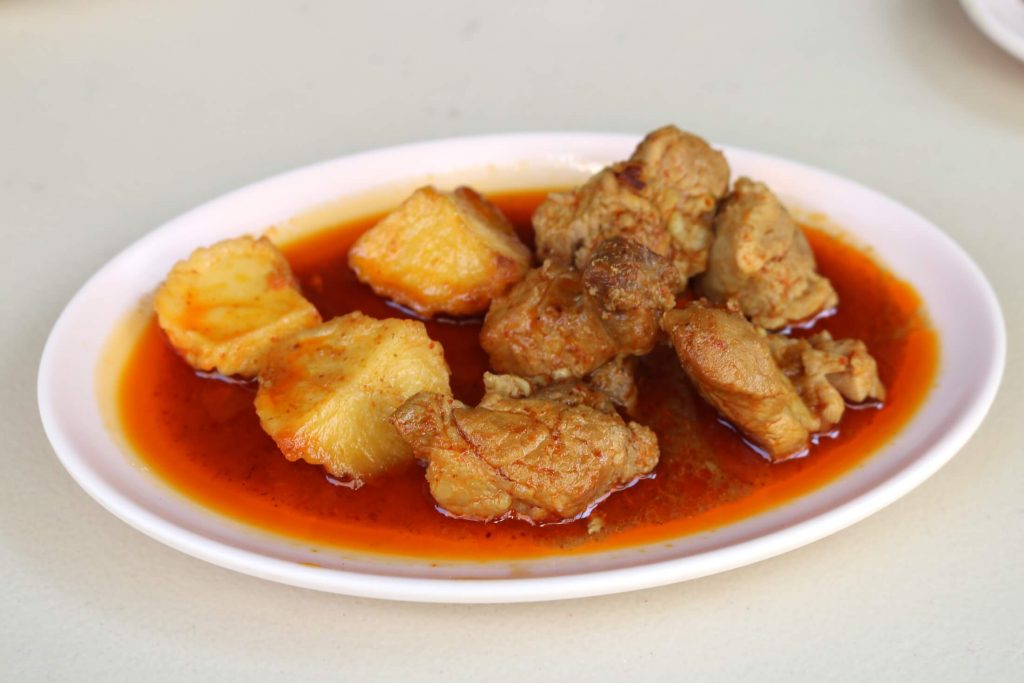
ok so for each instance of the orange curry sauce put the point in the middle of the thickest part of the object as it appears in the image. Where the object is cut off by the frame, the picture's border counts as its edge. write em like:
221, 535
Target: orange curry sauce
202, 436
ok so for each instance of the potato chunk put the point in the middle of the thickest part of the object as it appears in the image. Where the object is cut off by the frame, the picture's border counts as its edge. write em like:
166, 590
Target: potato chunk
327, 394
225, 306
441, 252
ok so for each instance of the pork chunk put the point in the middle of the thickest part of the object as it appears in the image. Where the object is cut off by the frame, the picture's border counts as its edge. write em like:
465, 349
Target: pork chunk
570, 225
730, 363
663, 197
616, 379
633, 287
547, 327
828, 372
762, 259
686, 178
624, 275
560, 323
543, 458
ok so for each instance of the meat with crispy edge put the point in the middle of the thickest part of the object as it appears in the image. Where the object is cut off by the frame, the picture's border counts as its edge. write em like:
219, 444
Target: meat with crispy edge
543, 456
559, 323
664, 197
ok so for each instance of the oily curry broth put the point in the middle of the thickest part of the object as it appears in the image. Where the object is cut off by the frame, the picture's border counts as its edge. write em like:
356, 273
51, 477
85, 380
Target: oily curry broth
202, 435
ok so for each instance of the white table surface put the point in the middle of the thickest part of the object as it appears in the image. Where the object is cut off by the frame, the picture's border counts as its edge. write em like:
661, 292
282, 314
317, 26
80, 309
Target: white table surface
115, 116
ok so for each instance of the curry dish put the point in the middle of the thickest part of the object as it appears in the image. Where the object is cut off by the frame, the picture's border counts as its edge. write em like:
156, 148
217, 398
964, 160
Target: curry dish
653, 353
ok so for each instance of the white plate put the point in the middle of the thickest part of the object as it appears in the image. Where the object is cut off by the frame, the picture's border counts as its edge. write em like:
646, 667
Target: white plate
961, 303
1001, 20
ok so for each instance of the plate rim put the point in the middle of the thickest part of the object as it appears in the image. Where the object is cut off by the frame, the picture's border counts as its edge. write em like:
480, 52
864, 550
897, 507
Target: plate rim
993, 28
536, 588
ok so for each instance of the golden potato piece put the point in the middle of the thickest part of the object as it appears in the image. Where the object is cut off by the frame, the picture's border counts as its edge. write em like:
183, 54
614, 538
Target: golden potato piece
225, 306
441, 252
327, 394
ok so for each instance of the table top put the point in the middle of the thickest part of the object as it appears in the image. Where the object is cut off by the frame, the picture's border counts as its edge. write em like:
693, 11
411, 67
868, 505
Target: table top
117, 116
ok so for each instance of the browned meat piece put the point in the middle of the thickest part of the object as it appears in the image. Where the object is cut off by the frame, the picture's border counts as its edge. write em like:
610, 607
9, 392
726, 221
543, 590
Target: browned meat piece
559, 323
624, 275
849, 367
762, 259
825, 371
616, 379
570, 225
570, 393
634, 287
729, 361
663, 197
686, 178
509, 386
543, 458
546, 327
